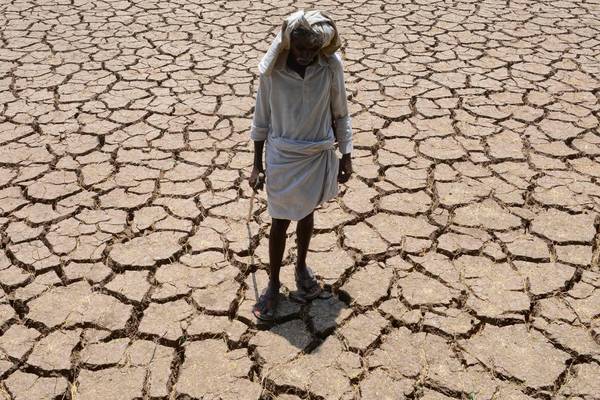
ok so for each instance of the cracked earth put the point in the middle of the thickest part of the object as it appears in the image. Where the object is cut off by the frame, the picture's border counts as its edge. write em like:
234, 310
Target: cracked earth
463, 255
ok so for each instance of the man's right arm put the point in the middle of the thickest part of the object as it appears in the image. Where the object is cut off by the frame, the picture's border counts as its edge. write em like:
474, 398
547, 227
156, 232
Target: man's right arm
341, 116
261, 123
258, 154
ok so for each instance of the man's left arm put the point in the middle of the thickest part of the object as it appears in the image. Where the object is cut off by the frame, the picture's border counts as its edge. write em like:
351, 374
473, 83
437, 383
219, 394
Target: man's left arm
343, 127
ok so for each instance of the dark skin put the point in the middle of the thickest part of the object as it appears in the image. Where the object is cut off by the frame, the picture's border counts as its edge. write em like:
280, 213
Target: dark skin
303, 52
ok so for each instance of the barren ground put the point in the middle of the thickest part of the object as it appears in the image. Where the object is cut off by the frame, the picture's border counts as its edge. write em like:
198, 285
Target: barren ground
463, 254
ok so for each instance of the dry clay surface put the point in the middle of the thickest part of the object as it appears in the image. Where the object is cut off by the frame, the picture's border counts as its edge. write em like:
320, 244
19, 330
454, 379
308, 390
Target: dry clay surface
463, 254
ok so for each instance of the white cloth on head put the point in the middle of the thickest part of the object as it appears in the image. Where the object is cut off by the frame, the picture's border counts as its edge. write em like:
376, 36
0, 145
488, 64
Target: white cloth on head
317, 21
293, 115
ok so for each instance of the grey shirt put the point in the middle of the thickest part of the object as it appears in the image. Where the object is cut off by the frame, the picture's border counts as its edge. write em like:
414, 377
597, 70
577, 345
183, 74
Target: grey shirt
300, 109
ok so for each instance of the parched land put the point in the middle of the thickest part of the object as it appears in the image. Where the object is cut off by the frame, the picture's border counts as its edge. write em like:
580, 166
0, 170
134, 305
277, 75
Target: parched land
463, 255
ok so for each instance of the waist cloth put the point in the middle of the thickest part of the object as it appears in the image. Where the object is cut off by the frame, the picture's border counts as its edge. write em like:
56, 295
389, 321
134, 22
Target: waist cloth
300, 176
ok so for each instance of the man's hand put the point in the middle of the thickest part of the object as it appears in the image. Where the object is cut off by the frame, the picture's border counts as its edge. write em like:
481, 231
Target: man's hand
345, 169
257, 179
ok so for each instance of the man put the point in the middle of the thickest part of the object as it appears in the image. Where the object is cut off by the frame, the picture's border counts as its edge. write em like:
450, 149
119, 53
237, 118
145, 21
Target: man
301, 98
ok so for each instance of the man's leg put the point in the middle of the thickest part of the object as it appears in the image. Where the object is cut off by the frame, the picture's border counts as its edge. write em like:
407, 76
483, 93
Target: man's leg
304, 231
276, 249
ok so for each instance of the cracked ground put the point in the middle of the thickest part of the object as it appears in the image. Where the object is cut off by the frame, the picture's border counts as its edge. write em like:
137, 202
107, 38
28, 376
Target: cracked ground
463, 255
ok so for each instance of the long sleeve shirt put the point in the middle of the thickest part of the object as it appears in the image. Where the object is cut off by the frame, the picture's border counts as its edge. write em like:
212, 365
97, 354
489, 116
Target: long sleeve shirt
294, 108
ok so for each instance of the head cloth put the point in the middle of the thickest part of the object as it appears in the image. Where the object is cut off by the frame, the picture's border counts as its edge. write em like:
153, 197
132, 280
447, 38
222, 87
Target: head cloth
316, 21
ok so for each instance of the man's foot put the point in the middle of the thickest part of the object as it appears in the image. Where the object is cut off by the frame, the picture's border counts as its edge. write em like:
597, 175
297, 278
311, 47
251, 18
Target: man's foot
307, 284
265, 307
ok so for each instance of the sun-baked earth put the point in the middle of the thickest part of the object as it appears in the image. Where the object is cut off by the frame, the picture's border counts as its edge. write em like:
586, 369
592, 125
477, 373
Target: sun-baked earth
463, 255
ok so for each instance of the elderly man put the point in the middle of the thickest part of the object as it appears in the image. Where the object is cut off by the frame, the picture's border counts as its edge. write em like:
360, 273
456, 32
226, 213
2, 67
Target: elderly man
301, 111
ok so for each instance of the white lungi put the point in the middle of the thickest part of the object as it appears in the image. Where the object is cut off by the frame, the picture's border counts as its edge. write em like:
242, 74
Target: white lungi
300, 176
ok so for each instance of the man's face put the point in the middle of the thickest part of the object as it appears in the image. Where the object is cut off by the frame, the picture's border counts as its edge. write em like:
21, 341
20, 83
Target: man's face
304, 49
